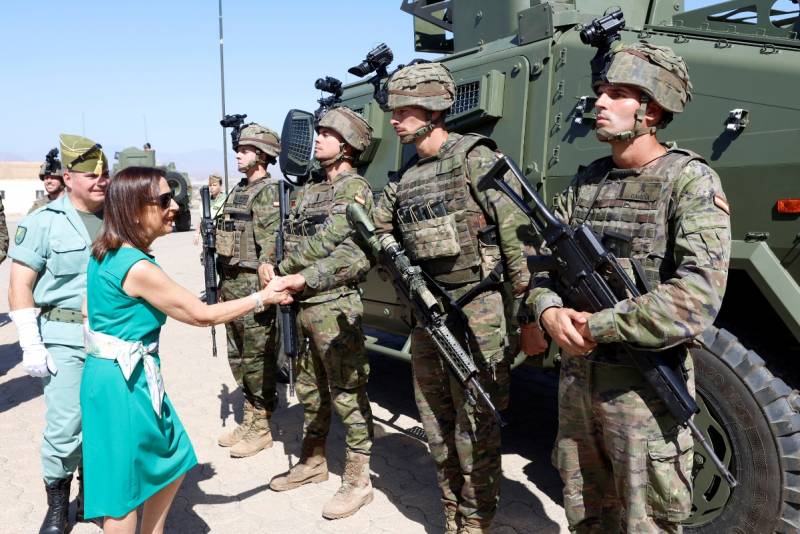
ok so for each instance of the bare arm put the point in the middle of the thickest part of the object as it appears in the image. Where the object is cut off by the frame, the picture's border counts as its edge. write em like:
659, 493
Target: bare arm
149, 282
20, 289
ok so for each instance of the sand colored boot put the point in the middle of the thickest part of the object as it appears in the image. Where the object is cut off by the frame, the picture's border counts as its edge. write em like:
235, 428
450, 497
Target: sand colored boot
234, 436
355, 491
473, 526
450, 514
311, 469
257, 438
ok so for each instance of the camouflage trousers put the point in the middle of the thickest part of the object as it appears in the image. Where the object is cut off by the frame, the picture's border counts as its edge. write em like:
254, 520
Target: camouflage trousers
625, 463
334, 370
465, 440
252, 342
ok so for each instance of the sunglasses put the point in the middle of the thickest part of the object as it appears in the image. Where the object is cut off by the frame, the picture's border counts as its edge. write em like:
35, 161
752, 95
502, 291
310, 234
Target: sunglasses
164, 200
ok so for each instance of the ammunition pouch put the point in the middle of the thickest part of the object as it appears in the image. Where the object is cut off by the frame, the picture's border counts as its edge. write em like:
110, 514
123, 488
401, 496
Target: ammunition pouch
489, 250
433, 238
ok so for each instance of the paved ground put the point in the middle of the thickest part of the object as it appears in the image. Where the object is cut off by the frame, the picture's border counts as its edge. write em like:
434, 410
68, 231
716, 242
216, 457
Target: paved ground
227, 495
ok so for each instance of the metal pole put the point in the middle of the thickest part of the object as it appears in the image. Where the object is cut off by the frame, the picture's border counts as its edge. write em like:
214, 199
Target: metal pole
222, 91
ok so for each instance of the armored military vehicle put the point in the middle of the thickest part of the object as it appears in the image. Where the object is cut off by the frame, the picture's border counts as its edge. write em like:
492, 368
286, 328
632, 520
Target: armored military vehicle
523, 78
178, 181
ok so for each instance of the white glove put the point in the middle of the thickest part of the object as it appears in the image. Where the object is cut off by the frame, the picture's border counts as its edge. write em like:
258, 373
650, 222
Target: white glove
35, 359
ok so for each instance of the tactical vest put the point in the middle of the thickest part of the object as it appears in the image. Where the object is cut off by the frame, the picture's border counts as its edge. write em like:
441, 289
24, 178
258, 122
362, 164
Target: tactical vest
313, 210
438, 217
236, 242
632, 212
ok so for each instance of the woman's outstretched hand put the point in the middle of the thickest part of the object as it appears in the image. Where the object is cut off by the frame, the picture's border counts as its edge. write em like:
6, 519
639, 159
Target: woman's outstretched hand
272, 294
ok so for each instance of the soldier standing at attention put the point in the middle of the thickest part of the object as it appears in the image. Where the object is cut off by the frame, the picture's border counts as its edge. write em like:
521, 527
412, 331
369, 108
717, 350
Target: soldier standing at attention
52, 251
325, 263
625, 463
53, 182
217, 196
245, 245
457, 234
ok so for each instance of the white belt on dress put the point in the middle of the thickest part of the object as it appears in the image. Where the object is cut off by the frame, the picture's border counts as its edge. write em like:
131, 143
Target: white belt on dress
128, 354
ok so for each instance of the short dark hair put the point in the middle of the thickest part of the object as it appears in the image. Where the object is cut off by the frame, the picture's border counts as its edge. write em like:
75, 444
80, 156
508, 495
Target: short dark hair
130, 192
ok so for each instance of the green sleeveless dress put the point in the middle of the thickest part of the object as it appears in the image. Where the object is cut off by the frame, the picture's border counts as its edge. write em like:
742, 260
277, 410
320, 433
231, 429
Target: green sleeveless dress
129, 453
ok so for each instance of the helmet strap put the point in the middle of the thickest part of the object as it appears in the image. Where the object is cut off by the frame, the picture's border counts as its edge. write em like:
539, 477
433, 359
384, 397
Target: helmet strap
639, 128
338, 157
422, 132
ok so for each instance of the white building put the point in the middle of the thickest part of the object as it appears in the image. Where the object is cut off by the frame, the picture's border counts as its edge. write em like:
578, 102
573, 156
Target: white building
19, 186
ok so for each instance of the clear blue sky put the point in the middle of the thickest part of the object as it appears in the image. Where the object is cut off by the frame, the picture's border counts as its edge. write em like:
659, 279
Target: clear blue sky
109, 64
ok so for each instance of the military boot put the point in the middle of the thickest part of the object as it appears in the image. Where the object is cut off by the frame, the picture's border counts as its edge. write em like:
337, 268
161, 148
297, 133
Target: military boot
56, 520
79, 498
355, 491
471, 525
450, 515
232, 437
257, 438
311, 469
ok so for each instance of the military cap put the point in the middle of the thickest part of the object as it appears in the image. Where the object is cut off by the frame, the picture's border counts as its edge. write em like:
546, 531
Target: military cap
355, 131
426, 85
262, 138
656, 70
214, 179
81, 154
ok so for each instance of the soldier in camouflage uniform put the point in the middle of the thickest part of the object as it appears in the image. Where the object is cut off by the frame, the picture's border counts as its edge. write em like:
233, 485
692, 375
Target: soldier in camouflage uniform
245, 235
323, 260
625, 463
53, 182
457, 233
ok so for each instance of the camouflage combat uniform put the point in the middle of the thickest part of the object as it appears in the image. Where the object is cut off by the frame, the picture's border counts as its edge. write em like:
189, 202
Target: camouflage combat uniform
335, 368
252, 344
464, 440
625, 463
245, 238
457, 233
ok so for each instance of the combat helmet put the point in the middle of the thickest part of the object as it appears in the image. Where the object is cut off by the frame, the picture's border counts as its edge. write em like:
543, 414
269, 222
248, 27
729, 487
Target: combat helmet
428, 86
261, 138
351, 126
659, 73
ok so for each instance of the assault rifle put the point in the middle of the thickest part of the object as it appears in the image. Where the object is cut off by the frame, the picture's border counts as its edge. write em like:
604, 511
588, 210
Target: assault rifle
590, 278
409, 281
209, 253
288, 312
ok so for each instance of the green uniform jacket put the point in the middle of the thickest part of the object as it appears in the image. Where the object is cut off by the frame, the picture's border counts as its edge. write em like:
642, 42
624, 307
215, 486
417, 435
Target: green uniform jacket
689, 297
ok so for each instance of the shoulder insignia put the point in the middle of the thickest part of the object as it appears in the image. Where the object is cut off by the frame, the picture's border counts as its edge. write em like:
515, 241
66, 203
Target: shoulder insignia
361, 200
20, 235
276, 204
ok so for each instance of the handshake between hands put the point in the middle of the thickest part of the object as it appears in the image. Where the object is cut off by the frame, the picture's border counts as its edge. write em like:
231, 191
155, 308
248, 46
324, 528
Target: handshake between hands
279, 288
568, 328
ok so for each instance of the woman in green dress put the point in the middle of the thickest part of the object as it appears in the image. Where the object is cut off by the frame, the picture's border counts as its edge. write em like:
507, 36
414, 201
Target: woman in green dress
136, 450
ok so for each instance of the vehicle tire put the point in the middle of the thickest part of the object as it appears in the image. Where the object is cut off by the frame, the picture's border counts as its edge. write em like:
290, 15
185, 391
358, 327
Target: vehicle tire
183, 221
179, 186
751, 419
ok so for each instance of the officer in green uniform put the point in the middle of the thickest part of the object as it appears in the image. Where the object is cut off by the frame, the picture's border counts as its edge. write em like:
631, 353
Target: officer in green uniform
625, 462
323, 260
52, 251
457, 233
218, 197
245, 235
53, 181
